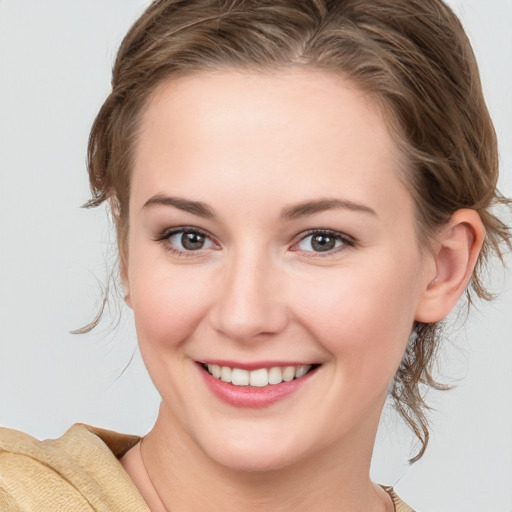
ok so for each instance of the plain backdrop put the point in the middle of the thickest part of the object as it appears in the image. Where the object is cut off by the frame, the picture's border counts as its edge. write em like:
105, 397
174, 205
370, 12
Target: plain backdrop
55, 60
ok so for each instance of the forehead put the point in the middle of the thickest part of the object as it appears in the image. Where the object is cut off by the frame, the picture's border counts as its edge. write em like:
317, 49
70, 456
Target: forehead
299, 132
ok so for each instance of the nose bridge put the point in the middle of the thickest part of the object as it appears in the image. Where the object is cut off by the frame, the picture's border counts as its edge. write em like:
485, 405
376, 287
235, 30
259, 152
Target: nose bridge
250, 302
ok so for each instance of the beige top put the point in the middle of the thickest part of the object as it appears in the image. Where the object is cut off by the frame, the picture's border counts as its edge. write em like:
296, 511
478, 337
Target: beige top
79, 472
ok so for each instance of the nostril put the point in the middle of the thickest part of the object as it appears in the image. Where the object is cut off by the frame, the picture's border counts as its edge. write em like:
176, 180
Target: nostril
248, 303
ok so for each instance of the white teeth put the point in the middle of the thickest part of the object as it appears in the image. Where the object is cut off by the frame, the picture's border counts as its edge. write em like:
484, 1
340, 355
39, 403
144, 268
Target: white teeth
288, 373
302, 370
215, 371
239, 377
275, 376
225, 373
258, 378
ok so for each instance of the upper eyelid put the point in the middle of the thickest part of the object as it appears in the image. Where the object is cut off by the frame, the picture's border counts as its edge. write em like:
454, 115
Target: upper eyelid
163, 238
331, 232
166, 233
347, 242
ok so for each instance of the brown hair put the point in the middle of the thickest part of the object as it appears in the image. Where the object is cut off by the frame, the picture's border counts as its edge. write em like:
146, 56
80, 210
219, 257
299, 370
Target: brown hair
412, 56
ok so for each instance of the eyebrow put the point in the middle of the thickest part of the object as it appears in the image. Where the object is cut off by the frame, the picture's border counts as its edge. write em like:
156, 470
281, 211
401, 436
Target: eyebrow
322, 205
290, 212
194, 207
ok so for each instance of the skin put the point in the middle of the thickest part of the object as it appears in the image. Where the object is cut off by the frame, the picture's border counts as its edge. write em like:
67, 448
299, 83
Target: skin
251, 148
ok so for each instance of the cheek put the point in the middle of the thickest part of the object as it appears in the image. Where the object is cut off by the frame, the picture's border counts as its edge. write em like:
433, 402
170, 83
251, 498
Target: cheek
167, 305
362, 316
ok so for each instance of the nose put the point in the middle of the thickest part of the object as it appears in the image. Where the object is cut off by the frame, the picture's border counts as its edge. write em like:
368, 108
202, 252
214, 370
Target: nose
250, 303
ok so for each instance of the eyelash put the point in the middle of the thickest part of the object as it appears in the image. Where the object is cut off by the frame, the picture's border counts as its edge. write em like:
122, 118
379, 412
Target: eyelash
342, 239
165, 236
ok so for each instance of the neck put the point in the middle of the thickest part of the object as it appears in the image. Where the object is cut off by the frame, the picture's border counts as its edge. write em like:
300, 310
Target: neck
179, 476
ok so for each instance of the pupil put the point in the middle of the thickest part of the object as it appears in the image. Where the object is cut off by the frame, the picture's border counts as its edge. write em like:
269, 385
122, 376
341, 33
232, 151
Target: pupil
192, 241
322, 243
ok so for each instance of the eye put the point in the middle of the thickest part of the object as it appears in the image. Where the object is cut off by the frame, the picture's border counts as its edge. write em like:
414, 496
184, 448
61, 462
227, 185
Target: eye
190, 241
323, 241
185, 240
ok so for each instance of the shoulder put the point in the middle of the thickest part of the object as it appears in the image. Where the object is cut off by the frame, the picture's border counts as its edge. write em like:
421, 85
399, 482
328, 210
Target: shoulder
400, 506
79, 471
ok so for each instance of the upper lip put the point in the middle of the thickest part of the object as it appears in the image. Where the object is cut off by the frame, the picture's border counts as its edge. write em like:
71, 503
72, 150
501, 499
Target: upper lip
254, 365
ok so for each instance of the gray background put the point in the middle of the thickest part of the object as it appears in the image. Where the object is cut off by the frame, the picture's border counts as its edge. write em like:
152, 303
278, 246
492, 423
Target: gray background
55, 59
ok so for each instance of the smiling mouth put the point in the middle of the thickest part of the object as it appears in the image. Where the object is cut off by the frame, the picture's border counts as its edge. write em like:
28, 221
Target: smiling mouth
260, 377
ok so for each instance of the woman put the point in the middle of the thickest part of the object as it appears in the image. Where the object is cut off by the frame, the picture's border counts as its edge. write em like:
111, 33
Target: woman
301, 192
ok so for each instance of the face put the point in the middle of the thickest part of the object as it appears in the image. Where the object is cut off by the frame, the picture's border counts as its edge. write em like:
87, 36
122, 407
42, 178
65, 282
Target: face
270, 239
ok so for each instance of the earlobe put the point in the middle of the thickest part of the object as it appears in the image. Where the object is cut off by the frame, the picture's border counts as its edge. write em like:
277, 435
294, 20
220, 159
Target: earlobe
455, 252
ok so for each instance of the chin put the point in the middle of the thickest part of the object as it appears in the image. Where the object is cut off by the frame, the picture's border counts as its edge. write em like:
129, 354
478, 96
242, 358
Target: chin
252, 453
246, 459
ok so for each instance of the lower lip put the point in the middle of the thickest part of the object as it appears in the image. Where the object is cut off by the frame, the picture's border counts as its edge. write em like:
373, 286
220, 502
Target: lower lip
252, 397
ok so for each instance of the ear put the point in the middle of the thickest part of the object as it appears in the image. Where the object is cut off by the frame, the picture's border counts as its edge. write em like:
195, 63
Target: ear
123, 272
124, 279
123, 264
455, 250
